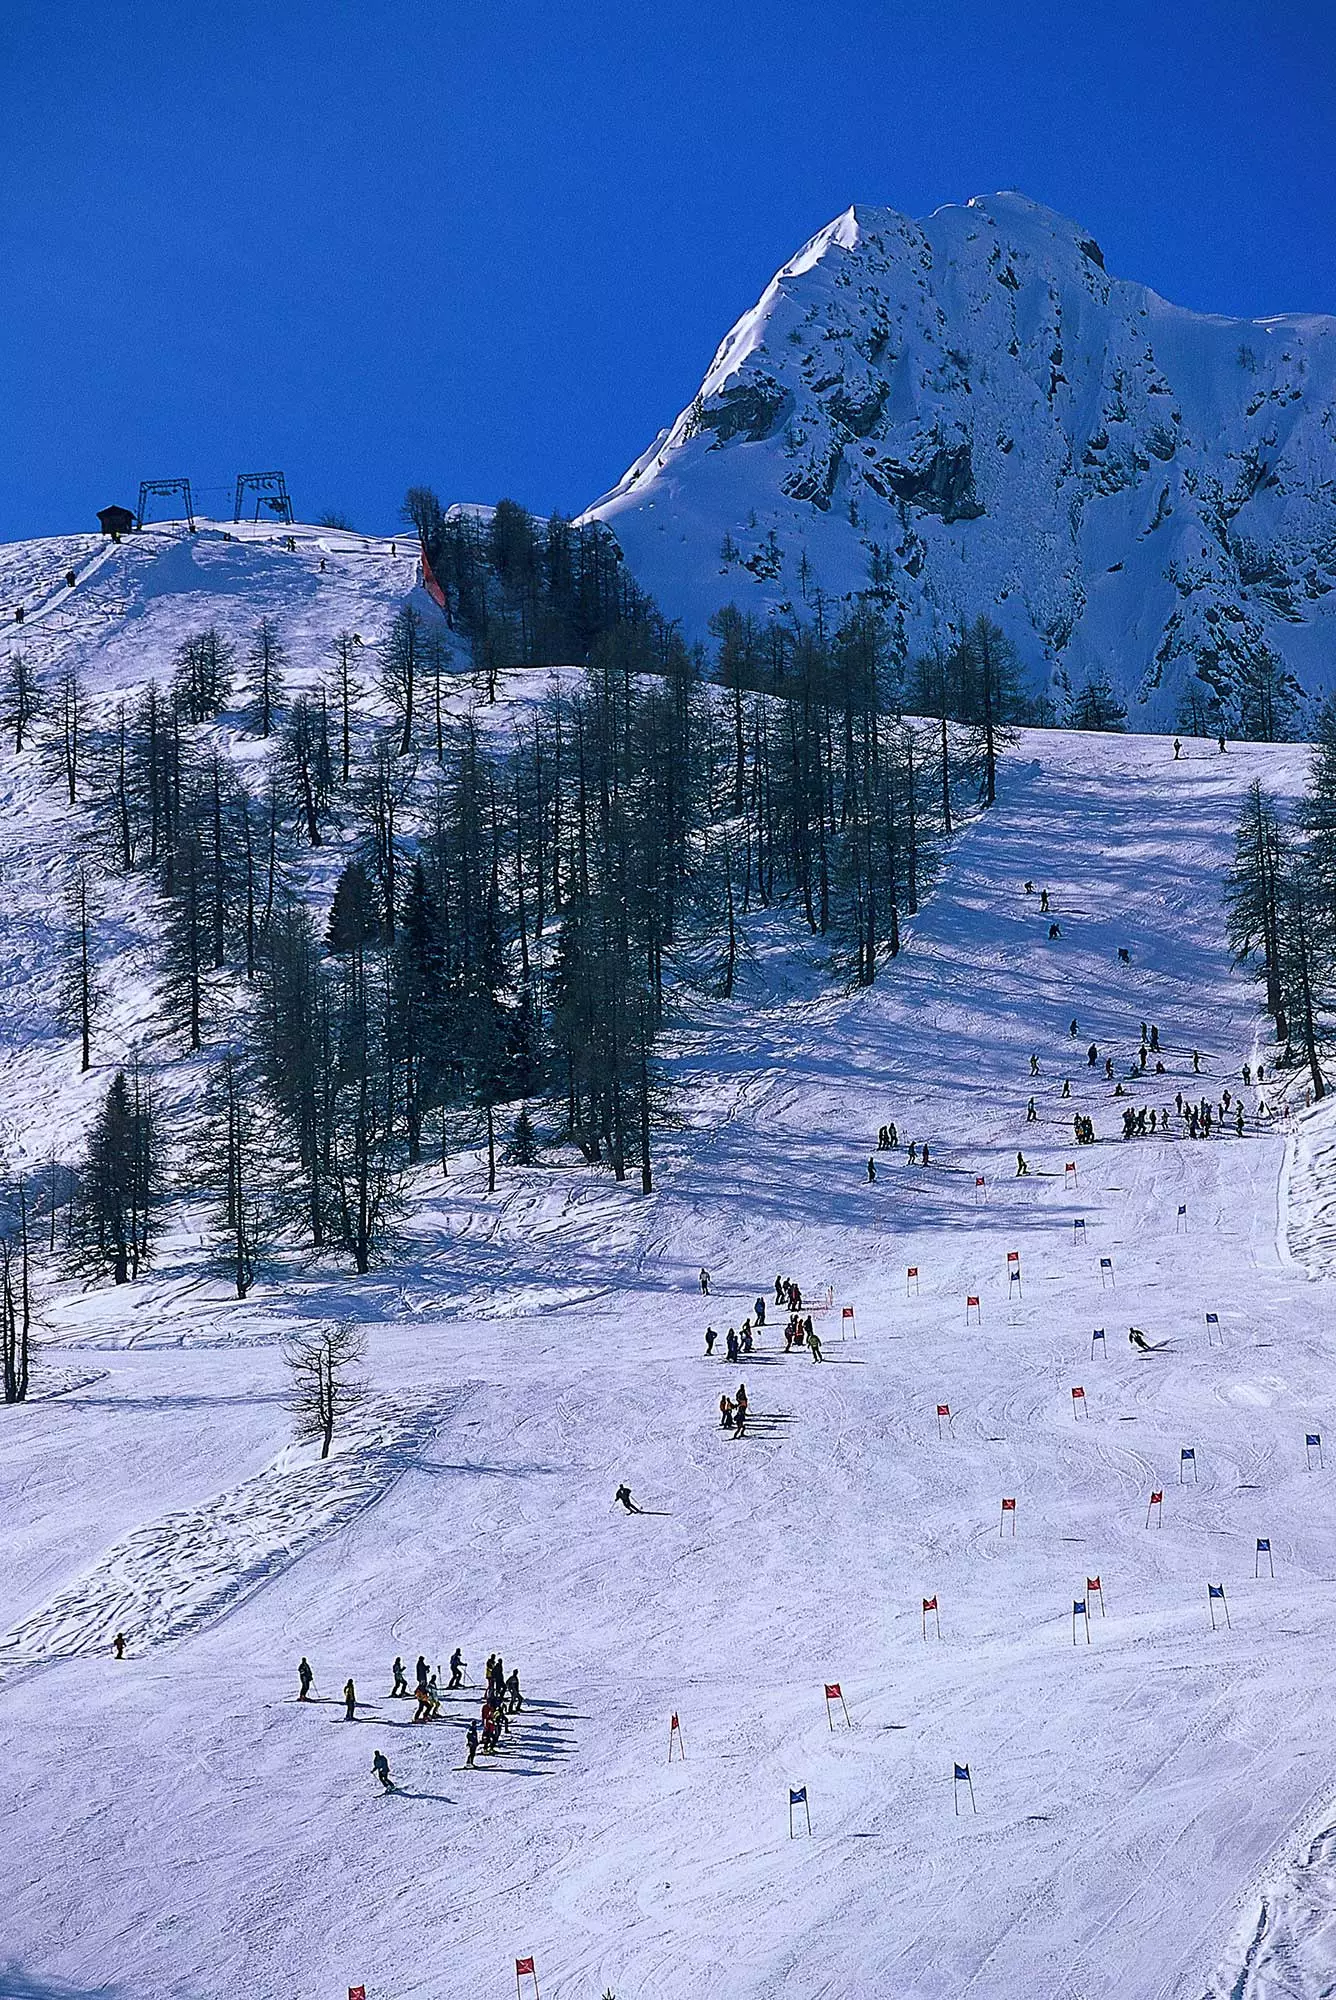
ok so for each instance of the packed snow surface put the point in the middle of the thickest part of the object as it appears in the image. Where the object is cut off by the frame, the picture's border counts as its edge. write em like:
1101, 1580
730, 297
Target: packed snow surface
1155, 1808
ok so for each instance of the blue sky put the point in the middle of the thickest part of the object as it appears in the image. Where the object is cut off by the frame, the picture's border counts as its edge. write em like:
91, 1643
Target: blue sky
493, 247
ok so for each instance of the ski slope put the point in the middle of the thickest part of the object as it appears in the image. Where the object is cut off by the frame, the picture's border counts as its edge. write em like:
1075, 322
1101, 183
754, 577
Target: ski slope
1154, 1810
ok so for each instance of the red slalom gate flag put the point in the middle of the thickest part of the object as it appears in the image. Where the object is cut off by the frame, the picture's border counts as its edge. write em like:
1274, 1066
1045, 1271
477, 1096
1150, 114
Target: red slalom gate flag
357, 1993
1008, 1506
943, 1409
833, 1691
674, 1724
523, 1965
930, 1604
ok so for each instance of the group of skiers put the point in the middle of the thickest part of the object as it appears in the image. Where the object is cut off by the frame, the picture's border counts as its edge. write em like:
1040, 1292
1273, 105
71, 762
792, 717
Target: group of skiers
733, 1411
1199, 1119
501, 1700
735, 1344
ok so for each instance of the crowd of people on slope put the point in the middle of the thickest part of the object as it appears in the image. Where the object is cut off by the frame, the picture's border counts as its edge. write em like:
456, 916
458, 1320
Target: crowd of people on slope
502, 1698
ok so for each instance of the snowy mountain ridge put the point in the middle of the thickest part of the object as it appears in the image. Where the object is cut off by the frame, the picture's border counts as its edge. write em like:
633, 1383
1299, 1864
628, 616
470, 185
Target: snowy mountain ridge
969, 413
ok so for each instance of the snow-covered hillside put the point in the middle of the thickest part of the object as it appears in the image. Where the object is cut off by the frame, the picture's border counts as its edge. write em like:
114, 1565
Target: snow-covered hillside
970, 414
1154, 1809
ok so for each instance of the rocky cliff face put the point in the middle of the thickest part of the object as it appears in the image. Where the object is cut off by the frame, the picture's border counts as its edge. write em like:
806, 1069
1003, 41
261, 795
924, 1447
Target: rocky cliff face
969, 414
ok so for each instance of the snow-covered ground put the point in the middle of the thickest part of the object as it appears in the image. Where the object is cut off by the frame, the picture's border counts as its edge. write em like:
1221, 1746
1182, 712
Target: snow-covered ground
1155, 1810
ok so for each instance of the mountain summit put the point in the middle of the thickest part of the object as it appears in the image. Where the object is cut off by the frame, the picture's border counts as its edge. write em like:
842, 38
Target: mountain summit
968, 413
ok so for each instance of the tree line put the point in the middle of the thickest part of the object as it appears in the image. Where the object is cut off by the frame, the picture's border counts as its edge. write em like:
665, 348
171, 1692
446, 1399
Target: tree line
1281, 905
509, 909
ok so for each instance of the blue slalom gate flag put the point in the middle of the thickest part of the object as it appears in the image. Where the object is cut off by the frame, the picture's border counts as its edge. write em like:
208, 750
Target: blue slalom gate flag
1212, 1319
1263, 1545
1182, 1208
798, 1798
1078, 1607
1188, 1451
962, 1774
1314, 1438
1215, 1589
1106, 1263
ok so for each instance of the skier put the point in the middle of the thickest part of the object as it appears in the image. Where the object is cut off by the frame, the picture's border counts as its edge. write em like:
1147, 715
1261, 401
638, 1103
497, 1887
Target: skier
814, 1343
1029, 888
871, 1168
422, 1713
1054, 932
1154, 1039
913, 1152
1178, 749
1124, 955
731, 1344
1108, 1067
704, 1282
1043, 902
1196, 1063
400, 1684
740, 1410
1238, 1123
725, 1412
421, 1670
513, 1695
746, 1336
304, 1675
1092, 1056
350, 1702
1072, 1030
760, 1310
472, 1740
1066, 1086
1031, 1115
710, 1338
893, 1135
779, 1291
1034, 1065
118, 1646
70, 579
457, 1666
925, 1152
1247, 1076
1138, 1340
1021, 1165
623, 1494
380, 1764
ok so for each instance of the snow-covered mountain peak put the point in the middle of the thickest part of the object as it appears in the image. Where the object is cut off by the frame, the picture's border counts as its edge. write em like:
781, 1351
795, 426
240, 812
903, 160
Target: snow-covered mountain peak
969, 413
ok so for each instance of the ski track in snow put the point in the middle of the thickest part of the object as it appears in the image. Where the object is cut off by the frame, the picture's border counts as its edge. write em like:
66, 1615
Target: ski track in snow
180, 1573
1155, 1811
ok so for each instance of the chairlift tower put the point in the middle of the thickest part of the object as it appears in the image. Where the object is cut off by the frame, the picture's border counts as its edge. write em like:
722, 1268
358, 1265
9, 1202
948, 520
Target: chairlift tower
160, 488
271, 493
